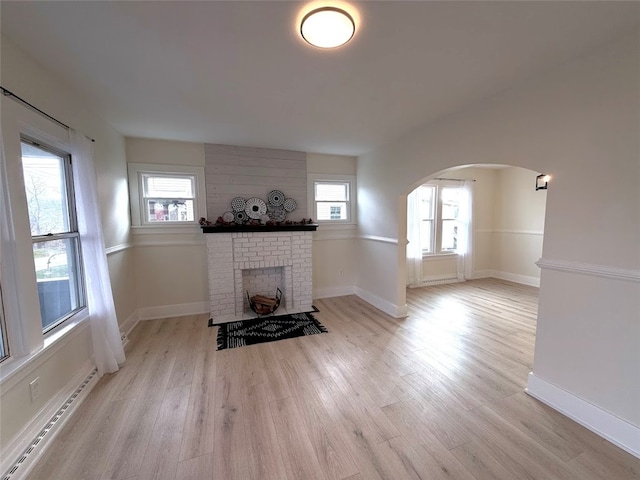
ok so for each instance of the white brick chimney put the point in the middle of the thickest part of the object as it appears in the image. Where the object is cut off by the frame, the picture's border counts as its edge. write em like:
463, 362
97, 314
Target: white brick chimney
262, 261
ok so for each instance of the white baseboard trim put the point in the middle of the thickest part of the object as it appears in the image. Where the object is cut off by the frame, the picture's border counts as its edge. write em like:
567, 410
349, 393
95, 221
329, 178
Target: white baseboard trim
510, 277
167, 311
130, 323
339, 291
482, 274
24, 440
387, 307
436, 280
608, 426
127, 327
514, 277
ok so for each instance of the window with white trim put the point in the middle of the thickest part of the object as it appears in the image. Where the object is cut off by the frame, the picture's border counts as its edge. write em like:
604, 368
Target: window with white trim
48, 184
439, 208
168, 198
333, 198
166, 195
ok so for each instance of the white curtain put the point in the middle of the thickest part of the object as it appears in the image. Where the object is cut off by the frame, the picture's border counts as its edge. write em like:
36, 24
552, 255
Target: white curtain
465, 238
414, 247
8, 268
107, 345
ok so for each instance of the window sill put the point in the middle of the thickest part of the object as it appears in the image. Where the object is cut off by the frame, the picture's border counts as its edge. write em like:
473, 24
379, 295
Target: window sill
13, 370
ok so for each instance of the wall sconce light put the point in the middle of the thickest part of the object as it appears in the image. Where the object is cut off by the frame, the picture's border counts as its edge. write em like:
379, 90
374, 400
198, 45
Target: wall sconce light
542, 181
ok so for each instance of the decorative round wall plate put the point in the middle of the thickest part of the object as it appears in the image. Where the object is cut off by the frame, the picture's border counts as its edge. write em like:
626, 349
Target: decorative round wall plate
276, 198
228, 217
238, 204
290, 205
277, 214
240, 217
255, 208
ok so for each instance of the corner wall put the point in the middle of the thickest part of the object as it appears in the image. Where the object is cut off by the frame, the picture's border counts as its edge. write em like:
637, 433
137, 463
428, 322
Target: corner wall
59, 367
578, 123
334, 247
171, 267
518, 231
170, 263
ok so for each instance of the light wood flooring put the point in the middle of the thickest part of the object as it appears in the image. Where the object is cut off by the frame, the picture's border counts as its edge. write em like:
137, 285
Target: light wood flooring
438, 395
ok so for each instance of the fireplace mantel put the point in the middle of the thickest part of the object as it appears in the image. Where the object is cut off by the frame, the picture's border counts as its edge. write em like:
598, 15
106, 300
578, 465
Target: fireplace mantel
307, 227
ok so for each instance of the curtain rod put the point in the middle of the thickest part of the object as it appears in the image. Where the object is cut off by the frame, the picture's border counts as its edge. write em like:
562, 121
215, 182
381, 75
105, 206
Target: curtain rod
8, 93
454, 179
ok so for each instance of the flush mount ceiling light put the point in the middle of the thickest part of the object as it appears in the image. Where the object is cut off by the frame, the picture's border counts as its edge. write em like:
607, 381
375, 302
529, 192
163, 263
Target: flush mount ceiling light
327, 27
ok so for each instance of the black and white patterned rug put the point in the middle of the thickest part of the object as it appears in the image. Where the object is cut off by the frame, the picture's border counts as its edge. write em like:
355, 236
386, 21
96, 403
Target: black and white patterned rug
267, 329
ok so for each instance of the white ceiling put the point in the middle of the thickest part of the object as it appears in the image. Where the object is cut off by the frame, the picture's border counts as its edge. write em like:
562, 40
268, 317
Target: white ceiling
238, 73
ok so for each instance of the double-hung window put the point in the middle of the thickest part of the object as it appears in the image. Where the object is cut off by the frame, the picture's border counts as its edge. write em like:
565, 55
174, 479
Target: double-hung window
165, 195
333, 200
439, 208
168, 197
449, 212
48, 183
427, 210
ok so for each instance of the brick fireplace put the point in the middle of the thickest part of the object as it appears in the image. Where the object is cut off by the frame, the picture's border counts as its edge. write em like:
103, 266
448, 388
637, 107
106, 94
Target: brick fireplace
259, 261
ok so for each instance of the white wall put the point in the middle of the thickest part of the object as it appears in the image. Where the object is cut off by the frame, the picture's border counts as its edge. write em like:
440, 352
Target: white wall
57, 367
519, 212
171, 268
484, 195
247, 172
164, 152
170, 263
578, 123
334, 247
568, 123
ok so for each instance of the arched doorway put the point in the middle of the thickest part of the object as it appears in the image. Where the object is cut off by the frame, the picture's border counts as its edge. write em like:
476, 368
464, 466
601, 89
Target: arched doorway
501, 235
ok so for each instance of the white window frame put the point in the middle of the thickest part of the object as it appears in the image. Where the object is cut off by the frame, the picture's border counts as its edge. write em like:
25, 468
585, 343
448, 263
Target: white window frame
350, 180
28, 347
138, 217
72, 232
433, 219
436, 231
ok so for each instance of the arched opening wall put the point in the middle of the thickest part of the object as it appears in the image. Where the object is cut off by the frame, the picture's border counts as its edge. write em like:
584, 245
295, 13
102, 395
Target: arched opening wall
499, 232
580, 124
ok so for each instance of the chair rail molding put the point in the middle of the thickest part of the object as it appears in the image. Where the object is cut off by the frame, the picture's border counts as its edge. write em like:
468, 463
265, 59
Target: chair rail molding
375, 238
519, 232
152, 242
594, 270
118, 248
